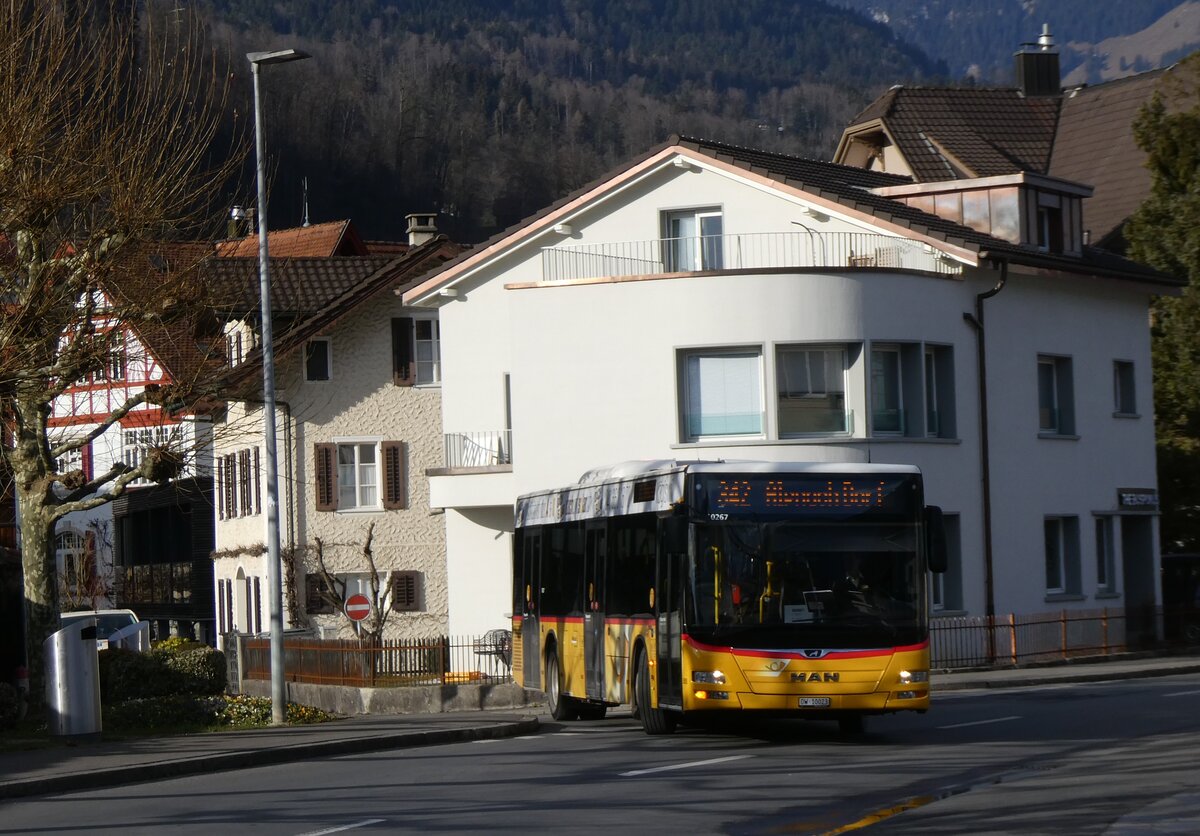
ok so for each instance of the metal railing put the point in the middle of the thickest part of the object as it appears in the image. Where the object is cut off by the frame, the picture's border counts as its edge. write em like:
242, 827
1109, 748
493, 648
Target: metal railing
391, 663
478, 449
979, 641
740, 252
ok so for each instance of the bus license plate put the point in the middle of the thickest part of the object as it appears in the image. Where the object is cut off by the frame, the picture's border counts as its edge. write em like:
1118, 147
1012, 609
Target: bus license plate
814, 702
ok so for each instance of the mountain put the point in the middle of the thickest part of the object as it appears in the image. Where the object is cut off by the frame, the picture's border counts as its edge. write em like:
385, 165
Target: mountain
487, 111
977, 38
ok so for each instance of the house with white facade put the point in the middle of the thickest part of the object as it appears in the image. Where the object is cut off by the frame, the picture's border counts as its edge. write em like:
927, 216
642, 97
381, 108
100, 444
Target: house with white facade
706, 301
358, 424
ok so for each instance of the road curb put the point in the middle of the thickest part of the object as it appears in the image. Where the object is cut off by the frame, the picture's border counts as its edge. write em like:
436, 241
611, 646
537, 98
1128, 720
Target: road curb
221, 761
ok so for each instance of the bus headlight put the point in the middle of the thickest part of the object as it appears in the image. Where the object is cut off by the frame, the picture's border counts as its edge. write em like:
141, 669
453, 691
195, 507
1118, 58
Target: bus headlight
709, 677
908, 677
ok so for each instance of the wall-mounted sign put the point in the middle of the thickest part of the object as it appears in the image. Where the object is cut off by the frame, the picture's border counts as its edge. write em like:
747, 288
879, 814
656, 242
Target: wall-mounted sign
1145, 499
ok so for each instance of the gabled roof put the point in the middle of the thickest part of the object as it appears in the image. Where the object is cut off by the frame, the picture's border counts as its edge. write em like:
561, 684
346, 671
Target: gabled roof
848, 189
334, 296
1095, 145
988, 131
299, 286
323, 240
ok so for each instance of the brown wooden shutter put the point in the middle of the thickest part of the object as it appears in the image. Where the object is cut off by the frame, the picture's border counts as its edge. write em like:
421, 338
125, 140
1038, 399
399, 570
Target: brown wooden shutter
221, 490
404, 365
257, 478
406, 591
395, 476
325, 470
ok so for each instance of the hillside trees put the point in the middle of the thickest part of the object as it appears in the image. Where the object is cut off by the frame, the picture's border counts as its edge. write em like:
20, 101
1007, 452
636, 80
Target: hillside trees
1165, 232
106, 125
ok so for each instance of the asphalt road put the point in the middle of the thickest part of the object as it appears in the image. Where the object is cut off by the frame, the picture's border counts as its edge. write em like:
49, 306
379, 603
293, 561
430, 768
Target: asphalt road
1116, 757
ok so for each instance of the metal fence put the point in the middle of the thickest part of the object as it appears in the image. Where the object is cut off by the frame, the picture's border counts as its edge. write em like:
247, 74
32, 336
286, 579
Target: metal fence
441, 660
979, 641
757, 250
478, 449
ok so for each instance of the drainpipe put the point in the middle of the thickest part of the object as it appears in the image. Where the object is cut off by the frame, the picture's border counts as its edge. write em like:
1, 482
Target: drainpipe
976, 322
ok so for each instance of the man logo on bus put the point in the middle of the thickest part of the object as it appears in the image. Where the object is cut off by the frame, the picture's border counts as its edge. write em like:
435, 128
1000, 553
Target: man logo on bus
814, 654
814, 676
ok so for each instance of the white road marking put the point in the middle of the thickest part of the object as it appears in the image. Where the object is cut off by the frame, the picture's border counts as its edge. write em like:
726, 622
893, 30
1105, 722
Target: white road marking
980, 722
683, 765
1182, 694
354, 826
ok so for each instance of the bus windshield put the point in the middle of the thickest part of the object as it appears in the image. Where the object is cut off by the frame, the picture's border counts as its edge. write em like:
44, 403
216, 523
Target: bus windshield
797, 584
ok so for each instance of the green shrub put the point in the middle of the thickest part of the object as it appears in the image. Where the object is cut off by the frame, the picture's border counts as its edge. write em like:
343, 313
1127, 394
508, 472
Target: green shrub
178, 644
245, 711
173, 713
129, 675
200, 671
10, 705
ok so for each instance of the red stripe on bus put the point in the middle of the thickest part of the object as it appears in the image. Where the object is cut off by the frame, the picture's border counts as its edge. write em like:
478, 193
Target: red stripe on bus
608, 620
799, 654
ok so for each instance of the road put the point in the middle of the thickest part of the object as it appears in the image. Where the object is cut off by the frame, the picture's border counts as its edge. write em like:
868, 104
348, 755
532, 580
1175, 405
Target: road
1116, 757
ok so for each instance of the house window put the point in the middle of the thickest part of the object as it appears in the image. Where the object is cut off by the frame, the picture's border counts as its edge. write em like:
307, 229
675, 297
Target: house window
1124, 394
416, 351
348, 474
358, 476
116, 367
939, 392
1062, 555
1056, 409
887, 398
1105, 556
722, 393
694, 240
135, 443
946, 587
71, 549
811, 386
318, 360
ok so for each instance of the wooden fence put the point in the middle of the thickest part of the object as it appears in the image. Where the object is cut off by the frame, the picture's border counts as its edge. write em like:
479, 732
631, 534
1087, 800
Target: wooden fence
979, 641
389, 663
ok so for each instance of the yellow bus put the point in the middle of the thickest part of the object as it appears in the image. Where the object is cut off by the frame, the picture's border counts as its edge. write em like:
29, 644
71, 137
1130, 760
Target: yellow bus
714, 587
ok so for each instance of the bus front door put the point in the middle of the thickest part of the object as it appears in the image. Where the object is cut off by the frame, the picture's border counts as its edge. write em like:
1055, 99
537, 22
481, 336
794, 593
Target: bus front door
672, 552
593, 618
531, 639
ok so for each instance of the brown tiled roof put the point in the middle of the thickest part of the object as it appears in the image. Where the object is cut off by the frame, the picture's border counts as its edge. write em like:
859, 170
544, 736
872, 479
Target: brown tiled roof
299, 286
386, 247
315, 241
1095, 145
989, 131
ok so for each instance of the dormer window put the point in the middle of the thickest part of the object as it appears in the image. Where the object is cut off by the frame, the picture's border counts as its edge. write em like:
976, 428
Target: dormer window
1049, 229
694, 240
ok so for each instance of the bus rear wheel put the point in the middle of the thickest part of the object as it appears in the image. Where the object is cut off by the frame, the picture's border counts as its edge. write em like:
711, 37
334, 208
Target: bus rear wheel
654, 720
562, 707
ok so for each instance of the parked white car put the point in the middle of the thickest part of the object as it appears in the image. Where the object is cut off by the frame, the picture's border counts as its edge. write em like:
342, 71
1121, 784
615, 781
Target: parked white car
107, 622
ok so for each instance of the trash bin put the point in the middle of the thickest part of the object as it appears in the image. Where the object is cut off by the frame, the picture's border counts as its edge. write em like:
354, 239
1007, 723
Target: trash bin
73, 681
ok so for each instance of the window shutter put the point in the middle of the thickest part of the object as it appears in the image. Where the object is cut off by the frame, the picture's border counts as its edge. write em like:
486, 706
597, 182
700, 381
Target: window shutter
404, 366
314, 603
395, 482
406, 591
325, 469
220, 488
257, 478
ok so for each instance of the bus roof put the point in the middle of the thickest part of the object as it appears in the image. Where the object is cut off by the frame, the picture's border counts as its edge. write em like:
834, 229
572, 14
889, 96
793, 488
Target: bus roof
657, 485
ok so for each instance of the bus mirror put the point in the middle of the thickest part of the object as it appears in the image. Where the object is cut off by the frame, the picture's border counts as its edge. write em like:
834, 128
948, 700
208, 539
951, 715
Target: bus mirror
675, 534
935, 539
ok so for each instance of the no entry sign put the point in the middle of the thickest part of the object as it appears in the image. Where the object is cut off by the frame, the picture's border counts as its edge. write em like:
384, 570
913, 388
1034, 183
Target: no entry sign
357, 607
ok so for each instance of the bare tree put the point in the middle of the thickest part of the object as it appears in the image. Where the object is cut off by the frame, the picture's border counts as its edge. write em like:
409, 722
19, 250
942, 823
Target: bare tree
333, 589
108, 127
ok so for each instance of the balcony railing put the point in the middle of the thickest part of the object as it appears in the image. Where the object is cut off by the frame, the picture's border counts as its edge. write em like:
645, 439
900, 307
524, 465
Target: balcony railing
756, 250
478, 449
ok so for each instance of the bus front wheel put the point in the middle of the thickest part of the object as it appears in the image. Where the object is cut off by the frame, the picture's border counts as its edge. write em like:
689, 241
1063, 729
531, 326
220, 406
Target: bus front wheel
654, 720
562, 707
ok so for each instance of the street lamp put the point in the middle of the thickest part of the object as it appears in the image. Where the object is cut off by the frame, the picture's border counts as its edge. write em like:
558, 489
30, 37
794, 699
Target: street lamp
274, 575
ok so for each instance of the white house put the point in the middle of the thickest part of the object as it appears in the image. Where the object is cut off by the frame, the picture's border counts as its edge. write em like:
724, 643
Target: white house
707, 301
358, 424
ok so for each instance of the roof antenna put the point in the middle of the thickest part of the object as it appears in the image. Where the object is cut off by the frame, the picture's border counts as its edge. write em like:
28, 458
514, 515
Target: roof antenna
304, 182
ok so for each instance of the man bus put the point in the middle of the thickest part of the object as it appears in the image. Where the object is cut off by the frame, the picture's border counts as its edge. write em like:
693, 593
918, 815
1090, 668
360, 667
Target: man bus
680, 588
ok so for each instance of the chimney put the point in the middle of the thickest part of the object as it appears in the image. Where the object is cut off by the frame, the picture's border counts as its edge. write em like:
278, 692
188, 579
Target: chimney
241, 222
421, 227
1037, 66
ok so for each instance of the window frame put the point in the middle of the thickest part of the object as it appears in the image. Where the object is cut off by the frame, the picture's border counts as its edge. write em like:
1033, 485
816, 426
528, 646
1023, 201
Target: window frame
880, 349
1061, 541
1062, 409
685, 392
704, 255
781, 397
308, 359
1124, 389
1106, 554
428, 372
358, 445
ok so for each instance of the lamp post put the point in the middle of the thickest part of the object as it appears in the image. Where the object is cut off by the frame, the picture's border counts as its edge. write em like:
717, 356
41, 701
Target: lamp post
274, 574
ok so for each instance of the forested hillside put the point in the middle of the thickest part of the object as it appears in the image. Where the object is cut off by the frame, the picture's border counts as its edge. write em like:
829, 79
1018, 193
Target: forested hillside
487, 111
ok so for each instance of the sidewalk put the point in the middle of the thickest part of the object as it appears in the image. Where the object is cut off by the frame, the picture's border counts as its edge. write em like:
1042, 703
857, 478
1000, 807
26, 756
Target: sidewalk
105, 764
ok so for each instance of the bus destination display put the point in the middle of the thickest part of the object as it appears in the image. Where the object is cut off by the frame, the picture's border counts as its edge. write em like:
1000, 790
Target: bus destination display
834, 495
